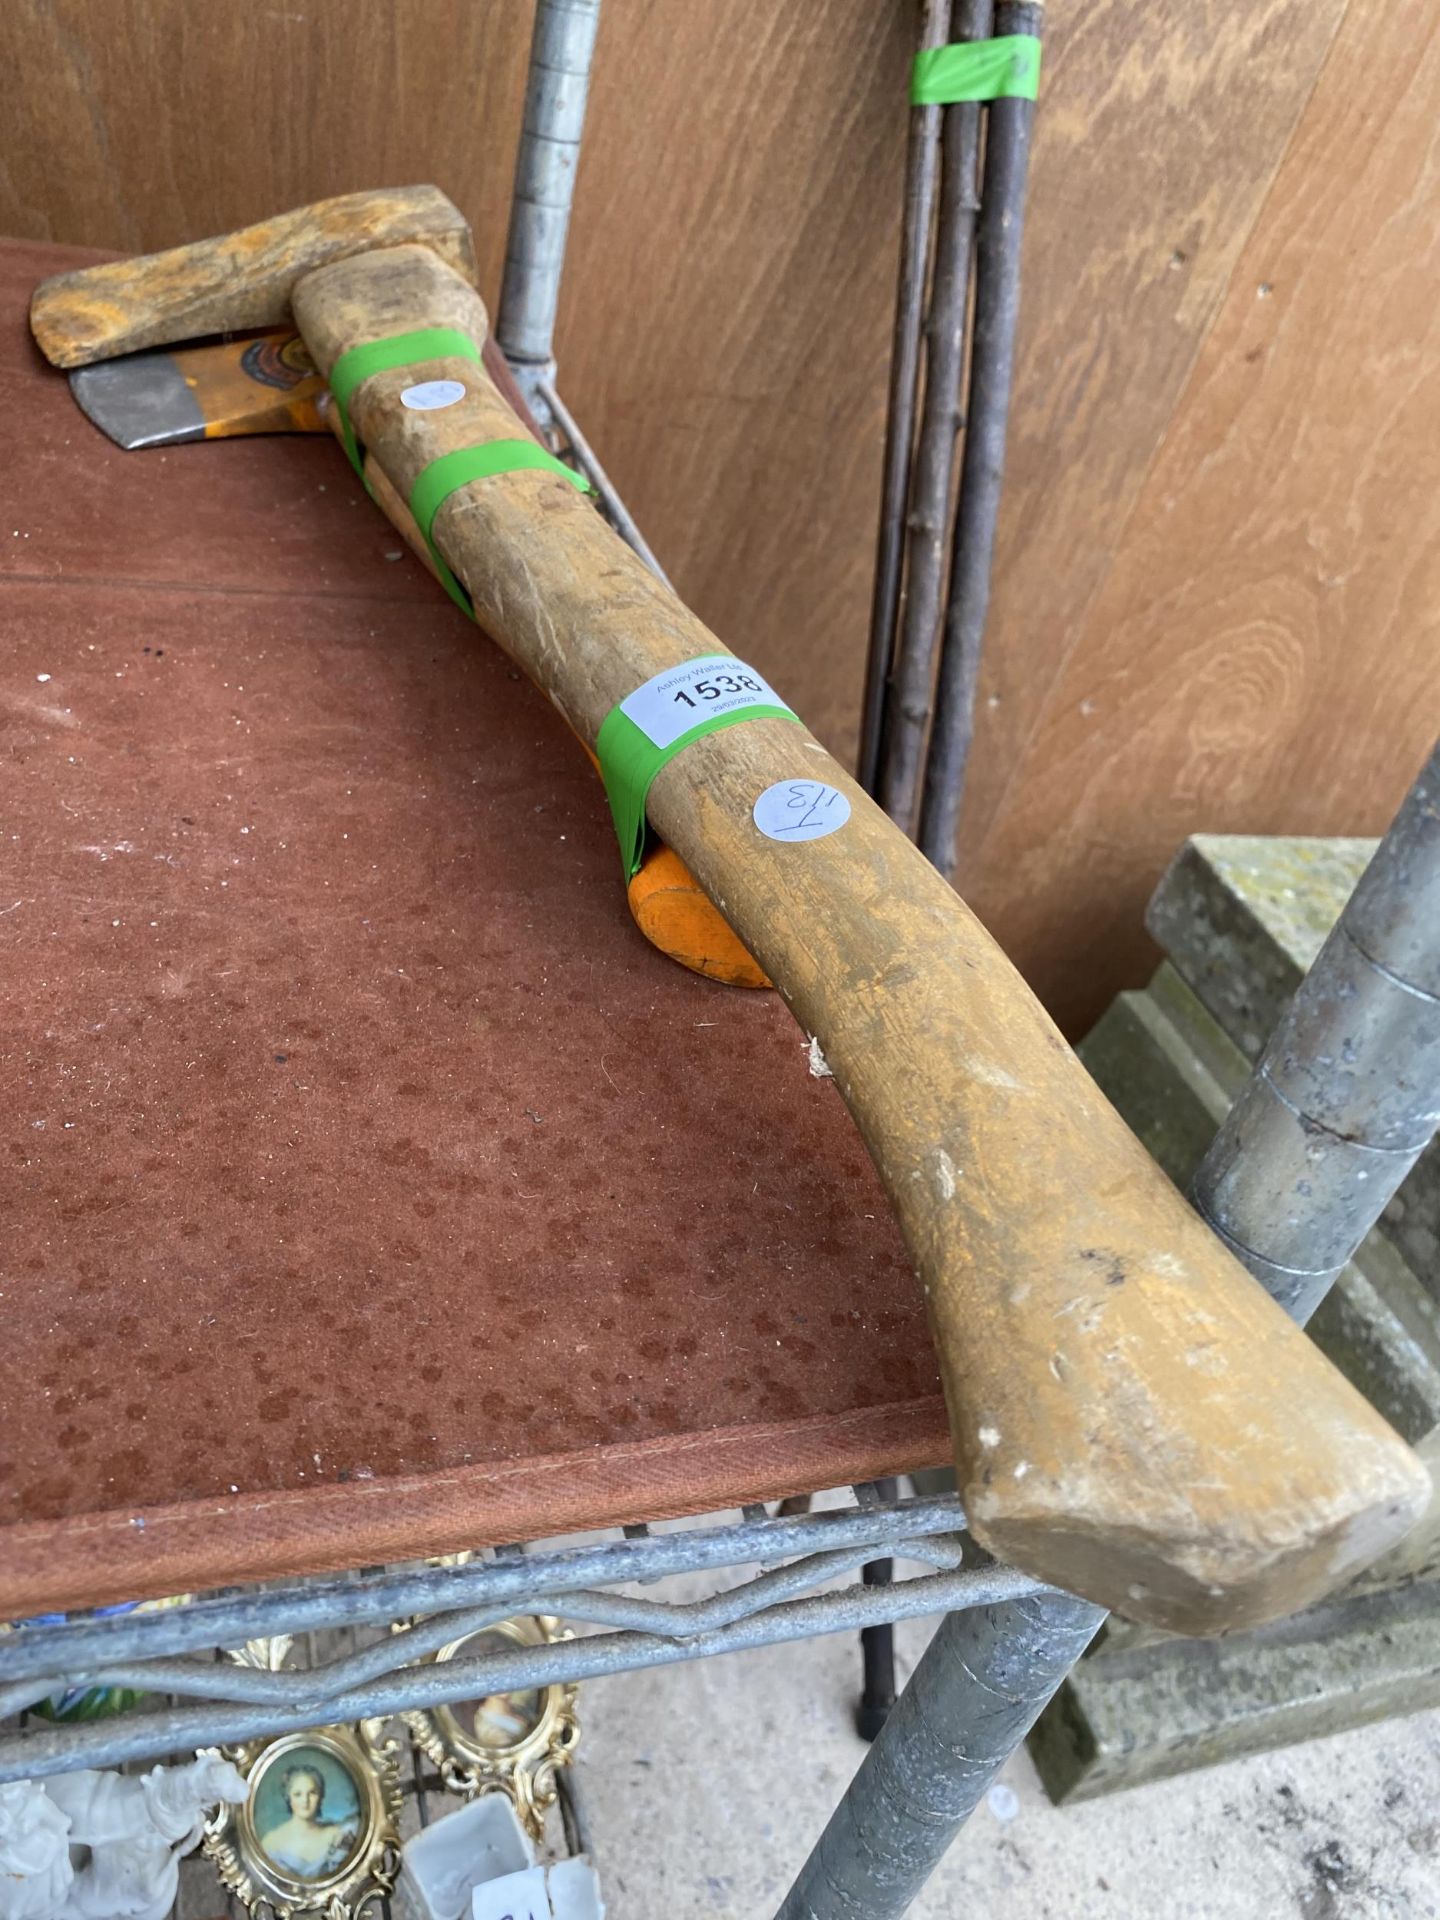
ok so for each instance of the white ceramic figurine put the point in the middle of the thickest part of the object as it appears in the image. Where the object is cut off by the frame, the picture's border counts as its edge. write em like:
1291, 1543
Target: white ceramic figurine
35, 1870
129, 1834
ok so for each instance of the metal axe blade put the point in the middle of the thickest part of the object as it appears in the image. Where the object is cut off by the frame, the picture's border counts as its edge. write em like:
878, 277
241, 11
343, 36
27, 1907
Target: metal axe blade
262, 385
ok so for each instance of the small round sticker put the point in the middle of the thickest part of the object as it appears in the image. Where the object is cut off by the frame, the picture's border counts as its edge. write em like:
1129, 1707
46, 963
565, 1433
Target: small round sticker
801, 810
431, 395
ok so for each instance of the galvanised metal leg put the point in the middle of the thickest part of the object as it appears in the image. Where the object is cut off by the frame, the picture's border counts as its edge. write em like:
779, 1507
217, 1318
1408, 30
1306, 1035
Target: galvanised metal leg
1347, 1095
562, 49
560, 56
970, 1702
877, 1659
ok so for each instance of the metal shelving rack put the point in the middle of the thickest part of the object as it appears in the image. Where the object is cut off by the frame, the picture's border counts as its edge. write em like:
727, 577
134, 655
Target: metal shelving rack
348, 1665
174, 1652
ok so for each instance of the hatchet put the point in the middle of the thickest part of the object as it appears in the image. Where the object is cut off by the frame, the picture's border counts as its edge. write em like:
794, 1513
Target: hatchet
1134, 1418
268, 384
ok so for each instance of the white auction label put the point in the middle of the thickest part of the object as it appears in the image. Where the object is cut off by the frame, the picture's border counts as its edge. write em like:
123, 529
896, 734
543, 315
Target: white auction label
801, 810
517, 1896
681, 697
431, 395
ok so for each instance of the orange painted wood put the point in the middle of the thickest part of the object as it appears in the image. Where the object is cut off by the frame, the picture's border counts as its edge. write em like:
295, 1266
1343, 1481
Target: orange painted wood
674, 913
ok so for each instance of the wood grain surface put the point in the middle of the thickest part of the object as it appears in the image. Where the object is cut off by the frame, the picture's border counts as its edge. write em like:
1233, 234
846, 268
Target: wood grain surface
1153, 153
1264, 652
725, 323
235, 282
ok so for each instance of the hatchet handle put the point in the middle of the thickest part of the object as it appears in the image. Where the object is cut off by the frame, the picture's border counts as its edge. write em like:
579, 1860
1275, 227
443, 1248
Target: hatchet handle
1134, 1419
674, 915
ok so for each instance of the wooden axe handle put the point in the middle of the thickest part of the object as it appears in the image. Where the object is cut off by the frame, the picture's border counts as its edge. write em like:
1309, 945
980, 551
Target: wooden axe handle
1134, 1418
664, 901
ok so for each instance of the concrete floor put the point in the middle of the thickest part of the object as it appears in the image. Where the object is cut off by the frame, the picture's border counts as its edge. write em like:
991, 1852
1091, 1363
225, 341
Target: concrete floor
703, 1786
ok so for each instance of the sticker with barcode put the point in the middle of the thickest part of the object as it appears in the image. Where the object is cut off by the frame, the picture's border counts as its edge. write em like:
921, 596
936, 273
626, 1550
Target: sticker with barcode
681, 697
800, 810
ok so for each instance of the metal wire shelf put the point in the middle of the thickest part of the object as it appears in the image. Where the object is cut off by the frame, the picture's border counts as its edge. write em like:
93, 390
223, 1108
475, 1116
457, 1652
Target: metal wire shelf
177, 1652
359, 1636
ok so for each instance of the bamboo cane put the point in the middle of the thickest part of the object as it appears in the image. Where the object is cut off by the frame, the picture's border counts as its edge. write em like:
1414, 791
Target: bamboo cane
920, 171
932, 485
992, 359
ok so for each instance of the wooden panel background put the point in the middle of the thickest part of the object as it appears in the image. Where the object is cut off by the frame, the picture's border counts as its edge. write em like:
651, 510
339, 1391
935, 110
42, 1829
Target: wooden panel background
1215, 595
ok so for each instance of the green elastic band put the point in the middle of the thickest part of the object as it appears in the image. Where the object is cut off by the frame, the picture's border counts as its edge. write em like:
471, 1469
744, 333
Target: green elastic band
1003, 69
629, 761
435, 484
379, 356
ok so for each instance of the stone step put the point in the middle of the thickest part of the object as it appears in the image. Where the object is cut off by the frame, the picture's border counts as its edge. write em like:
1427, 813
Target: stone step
1144, 1705
1148, 1712
1241, 918
1172, 1071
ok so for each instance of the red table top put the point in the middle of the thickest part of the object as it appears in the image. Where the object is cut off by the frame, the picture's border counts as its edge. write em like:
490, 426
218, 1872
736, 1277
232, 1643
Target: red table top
372, 1188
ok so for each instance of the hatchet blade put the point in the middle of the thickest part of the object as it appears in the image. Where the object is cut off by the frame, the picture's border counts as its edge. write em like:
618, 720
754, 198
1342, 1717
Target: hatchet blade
159, 399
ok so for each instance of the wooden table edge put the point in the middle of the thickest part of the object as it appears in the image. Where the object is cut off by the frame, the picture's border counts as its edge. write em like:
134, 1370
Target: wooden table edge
99, 1559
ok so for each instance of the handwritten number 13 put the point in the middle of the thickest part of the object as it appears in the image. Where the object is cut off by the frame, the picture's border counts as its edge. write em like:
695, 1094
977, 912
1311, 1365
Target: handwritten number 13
810, 801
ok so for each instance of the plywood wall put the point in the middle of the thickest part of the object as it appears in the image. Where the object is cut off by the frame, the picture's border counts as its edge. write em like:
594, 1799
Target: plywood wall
1244, 633
1215, 596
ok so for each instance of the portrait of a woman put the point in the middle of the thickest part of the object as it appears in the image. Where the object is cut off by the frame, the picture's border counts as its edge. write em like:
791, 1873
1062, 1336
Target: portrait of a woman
304, 1843
497, 1720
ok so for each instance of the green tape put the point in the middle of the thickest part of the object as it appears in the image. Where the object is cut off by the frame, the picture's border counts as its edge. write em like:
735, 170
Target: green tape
629, 760
435, 484
379, 356
1003, 69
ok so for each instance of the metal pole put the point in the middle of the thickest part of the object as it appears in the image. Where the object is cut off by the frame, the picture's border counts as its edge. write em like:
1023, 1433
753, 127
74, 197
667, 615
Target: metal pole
877, 1643
972, 1699
147, 1735
1347, 1094
560, 56
1343, 1102
588, 461
920, 168
230, 1618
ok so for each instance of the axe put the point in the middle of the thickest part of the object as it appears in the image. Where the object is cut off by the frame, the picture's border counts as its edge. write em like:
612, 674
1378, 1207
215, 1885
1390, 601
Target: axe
268, 384
1134, 1418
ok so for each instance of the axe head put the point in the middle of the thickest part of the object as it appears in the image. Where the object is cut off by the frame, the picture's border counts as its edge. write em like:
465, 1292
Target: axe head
241, 282
268, 384
265, 385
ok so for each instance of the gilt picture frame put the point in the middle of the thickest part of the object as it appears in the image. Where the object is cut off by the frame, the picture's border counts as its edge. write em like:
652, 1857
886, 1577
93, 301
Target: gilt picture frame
511, 1742
319, 1832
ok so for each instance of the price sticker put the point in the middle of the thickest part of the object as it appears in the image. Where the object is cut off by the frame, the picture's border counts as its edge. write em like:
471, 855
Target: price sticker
431, 395
800, 810
517, 1896
682, 697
